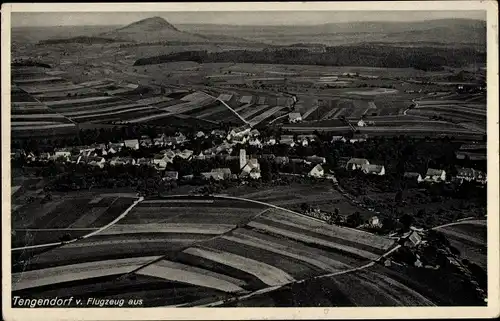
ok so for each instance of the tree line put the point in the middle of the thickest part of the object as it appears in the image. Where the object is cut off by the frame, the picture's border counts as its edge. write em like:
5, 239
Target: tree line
423, 58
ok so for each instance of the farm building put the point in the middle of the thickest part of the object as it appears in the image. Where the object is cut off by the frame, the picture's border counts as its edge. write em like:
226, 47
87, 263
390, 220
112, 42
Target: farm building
317, 171
246, 99
287, 140
361, 123
413, 176
132, 143
294, 117
373, 169
356, 163
435, 175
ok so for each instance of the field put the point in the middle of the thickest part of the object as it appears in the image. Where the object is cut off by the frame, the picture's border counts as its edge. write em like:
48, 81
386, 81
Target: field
36, 223
210, 247
470, 238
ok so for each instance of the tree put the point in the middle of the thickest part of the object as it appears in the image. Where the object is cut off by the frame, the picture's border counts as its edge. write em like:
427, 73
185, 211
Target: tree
305, 207
406, 220
354, 219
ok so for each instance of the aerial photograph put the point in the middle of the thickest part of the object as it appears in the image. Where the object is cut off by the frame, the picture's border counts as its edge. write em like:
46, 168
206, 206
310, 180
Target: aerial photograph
248, 159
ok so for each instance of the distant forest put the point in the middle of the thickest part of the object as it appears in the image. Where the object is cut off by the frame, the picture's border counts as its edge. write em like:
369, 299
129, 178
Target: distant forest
422, 58
80, 39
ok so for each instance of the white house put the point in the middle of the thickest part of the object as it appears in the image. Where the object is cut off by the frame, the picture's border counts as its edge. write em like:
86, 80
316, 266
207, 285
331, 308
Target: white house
413, 239
373, 169
144, 162
361, 123
200, 134
254, 133
271, 142
413, 176
435, 175
132, 143
294, 117
356, 163
317, 171
185, 154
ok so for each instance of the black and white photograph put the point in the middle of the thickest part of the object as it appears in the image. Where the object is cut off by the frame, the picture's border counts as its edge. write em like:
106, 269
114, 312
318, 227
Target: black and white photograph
246, 158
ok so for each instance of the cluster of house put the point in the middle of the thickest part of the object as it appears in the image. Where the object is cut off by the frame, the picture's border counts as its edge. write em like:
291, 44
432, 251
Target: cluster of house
431, 176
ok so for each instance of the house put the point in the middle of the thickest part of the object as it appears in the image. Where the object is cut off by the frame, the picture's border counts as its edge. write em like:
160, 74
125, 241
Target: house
435, 175
238, 132
311, 138
225, 172
251, 168
64, 153
270, 142
212, 175
171, 176
361, 123
294, 117
161, 160
356, 163
218, 133
132, 143
297, 160
374, 221
114, 148
338, 139
413, 176
200, 134
185, 154
358, 138
267, 156
96, 161
122, 161
281, 160
317, 171
254, 133
373, 169
75, 159
470, 174
287, 140
316, 159
255, 142
187, 177
413, 239
145, 142
144, 162
239, 139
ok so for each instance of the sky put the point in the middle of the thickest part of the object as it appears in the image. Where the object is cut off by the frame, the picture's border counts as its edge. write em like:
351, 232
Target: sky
37, 19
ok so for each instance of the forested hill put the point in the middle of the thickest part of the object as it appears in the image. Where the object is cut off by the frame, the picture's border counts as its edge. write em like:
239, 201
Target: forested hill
423, 58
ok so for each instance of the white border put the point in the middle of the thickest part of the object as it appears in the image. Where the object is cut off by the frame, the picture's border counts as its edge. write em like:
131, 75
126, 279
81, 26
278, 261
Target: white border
492, 310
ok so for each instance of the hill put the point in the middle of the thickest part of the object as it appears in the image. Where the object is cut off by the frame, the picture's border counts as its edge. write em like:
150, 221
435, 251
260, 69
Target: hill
157, 29
443, 31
